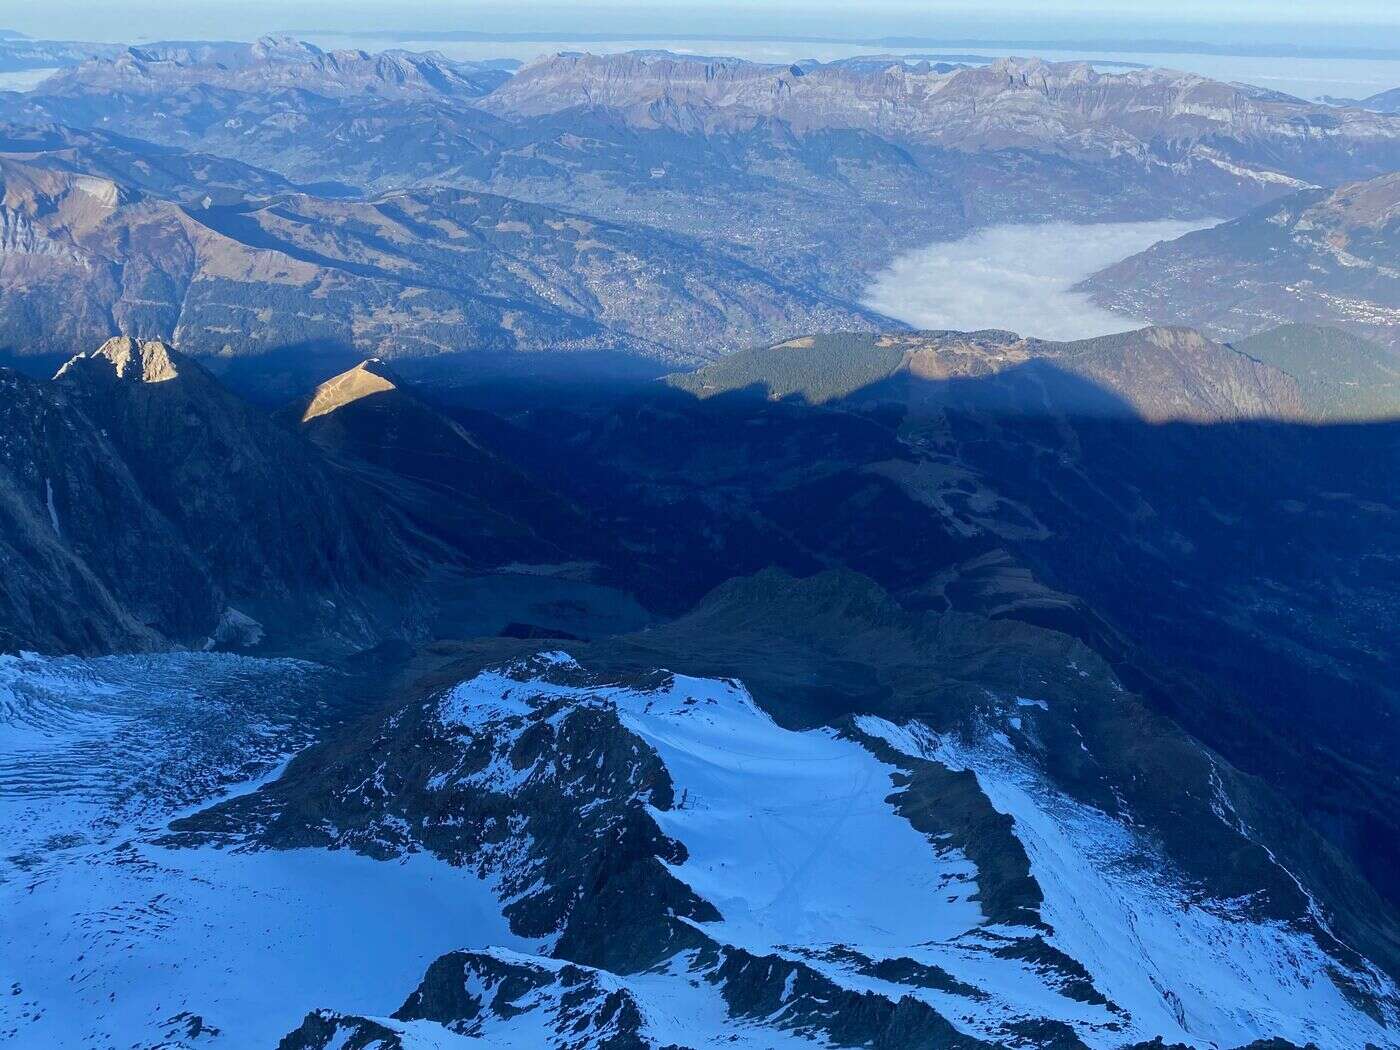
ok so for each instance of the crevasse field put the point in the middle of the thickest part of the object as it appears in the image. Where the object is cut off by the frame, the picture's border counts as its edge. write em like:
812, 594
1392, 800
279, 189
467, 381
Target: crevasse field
108, 938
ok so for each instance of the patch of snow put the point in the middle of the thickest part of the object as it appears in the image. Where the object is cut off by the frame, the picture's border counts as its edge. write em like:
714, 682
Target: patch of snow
677, 1009
793, 837
789, 834
53, 511
90, 748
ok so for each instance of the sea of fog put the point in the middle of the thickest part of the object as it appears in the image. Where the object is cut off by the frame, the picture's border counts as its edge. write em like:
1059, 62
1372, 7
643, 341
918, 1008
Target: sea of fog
1016, 277
23, 79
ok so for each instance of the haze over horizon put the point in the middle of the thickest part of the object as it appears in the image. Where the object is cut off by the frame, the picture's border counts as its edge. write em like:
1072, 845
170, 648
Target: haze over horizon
1355, 24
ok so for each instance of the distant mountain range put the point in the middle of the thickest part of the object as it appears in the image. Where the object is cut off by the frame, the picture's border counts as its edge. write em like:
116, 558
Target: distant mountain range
303, 286
19, 52
1381, 102
1320, 257
277, 64
815, 174
1156, 117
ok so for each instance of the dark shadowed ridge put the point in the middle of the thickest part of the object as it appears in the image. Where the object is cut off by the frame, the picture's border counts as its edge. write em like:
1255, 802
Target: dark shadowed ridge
1182, 543
1157, 374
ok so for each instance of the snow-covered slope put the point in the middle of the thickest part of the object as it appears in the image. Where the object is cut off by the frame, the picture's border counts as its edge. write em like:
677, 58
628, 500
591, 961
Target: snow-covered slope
108, 938
1188, 968
93, 748
566, 859
813, 899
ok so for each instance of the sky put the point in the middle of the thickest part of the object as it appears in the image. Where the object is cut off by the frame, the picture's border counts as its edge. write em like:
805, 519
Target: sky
1338, 23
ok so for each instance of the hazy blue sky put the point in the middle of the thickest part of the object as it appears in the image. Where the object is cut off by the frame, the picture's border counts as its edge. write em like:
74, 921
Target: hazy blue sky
1356, 22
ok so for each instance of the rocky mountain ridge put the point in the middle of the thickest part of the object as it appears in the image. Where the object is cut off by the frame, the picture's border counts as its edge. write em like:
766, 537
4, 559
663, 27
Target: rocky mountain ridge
1321, 257
152, 508
1381, 102
478, 506
278, 63
1157, 374
255, 535
1156, 116
167, 172
295, 287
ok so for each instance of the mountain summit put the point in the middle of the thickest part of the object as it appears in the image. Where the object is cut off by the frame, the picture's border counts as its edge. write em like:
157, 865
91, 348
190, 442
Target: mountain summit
143, 361
1153, 116
279, 63
369, 377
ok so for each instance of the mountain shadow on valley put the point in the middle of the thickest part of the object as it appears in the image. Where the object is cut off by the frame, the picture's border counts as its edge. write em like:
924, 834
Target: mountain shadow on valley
1241, 572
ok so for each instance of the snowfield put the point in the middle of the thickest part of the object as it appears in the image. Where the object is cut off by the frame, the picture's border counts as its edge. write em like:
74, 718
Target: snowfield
112, 937
130, 945
1193, 972
107, 939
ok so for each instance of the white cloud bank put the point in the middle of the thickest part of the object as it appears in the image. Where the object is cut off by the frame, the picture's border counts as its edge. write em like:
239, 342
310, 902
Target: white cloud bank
1016, 277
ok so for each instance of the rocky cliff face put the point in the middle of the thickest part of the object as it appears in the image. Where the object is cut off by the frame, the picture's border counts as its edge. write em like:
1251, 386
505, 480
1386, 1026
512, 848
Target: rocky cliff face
1153, 116
88, 563
177, 514
281, 536
277, 64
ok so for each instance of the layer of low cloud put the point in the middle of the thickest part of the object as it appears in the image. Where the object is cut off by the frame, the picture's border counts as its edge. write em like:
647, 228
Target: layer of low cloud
1016, 277
23, 79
